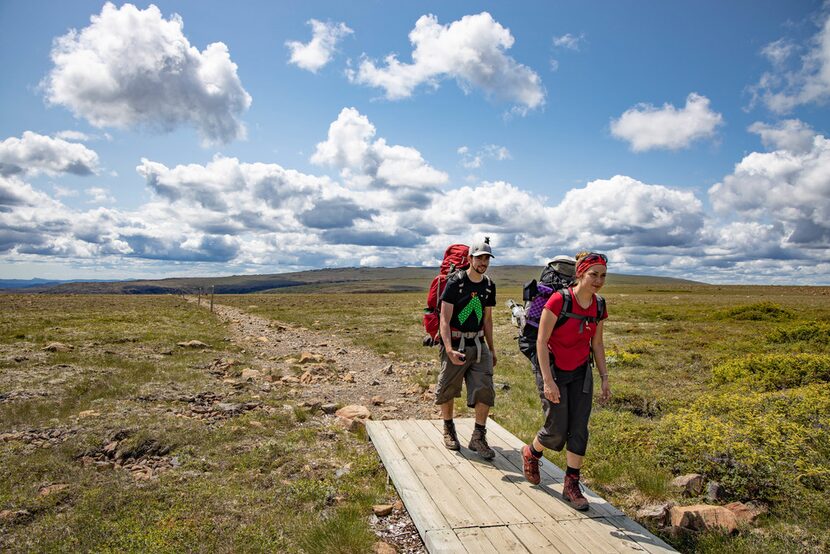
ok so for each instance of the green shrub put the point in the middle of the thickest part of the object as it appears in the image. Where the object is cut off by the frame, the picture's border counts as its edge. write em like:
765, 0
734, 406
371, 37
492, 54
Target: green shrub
762, 311
815, 332
775, 371
759, 445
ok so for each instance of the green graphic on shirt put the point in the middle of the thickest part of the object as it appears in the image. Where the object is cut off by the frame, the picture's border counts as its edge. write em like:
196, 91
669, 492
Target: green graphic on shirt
474, 305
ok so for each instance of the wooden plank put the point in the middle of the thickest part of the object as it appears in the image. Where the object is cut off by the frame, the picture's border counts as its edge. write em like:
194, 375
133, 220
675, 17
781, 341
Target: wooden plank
504, 540
424, 513
492, 496
562, 538
440, 486
475, 541
507, 486
541, 495
605, 534
468, 495
531, 538
443, 541
649, 542
598, 506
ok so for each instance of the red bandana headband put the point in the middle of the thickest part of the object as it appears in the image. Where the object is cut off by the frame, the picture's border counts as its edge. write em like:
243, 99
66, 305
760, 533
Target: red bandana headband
589, 260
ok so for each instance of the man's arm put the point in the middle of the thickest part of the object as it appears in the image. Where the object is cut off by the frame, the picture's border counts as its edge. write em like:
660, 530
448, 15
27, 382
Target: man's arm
446, 335
488, 331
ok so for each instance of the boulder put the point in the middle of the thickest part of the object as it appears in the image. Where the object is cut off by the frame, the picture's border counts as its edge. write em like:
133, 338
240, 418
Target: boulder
382, 510
655, 513
704, 517
354, 411
328, 408
746, 514
691, 484
351, 425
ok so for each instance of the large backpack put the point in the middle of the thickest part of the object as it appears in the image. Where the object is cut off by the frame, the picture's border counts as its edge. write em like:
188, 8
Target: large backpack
455, 259
557, 275
533, 313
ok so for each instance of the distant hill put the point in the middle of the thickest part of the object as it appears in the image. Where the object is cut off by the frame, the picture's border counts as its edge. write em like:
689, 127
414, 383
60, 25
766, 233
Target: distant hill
29, 283
397, 279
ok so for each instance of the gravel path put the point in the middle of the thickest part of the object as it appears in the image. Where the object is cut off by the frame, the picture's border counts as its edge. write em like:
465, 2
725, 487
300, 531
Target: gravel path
337, 372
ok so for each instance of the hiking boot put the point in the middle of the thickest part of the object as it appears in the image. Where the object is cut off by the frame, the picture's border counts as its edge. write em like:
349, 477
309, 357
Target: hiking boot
451, 438
572, 492
478, 442
530, 465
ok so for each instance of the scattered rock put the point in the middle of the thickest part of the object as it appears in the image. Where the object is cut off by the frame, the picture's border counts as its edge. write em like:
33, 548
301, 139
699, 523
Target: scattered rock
192, 344
502, 386
374, 383
263, 340
388, 370
52, 489
704, 517
348, 377
249, 374
655, 513
377, 400
58, 347
15, 516
20, 359
309, 358
745, 513
351, 425
382, 510
354, 411
398, 505
381, 547
306, 378
691, 484
328, 408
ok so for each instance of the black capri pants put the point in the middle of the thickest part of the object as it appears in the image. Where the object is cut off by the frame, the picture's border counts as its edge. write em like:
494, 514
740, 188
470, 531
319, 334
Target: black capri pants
566, 423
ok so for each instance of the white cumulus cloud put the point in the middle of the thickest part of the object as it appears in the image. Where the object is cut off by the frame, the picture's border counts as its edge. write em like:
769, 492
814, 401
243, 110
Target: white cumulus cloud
131, 67
470, 50
646, 127
791, 134
786, 87
318, 52
784, 187
367, 162
34, 153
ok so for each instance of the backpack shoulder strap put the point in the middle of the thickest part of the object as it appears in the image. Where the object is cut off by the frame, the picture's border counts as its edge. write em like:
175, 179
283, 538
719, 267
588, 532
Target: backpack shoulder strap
600, 308
567, 303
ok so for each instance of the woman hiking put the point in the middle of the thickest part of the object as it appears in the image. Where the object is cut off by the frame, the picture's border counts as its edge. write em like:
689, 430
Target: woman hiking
568, 344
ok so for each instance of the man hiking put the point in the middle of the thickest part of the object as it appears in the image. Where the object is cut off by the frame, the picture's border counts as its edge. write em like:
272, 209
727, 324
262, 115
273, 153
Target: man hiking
467, 317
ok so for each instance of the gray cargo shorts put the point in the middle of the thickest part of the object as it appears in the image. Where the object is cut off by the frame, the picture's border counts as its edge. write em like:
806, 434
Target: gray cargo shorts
478, 377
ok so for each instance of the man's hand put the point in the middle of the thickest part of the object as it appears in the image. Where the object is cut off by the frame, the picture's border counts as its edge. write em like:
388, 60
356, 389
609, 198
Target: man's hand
456, 357
494, 358
551, 392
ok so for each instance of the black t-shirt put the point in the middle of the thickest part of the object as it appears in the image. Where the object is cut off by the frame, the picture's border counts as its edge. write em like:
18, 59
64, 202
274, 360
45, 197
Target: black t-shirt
469, 300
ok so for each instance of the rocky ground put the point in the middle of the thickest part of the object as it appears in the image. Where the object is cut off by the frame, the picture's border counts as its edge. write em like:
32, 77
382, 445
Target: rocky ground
323, 372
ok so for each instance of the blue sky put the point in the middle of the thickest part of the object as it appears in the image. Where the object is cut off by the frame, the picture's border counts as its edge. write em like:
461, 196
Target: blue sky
210, 138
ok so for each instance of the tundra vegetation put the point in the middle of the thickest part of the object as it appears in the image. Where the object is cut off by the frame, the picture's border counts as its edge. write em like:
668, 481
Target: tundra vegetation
729, 382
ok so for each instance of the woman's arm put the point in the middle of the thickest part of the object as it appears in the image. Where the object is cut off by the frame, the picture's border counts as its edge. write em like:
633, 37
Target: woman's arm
598, 348
546, 323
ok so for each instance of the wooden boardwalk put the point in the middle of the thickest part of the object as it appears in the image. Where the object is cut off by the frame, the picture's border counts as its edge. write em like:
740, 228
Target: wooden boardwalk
461, 503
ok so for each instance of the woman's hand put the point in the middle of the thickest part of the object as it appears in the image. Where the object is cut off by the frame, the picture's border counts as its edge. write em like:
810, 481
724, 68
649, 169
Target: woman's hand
551, 392
606, 390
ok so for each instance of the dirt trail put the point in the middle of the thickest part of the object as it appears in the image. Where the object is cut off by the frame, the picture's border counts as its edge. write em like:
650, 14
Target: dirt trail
277, 347
338, 372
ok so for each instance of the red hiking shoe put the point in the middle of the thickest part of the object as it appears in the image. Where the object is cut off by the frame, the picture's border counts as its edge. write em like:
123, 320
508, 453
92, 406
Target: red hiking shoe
530, 465
572, 492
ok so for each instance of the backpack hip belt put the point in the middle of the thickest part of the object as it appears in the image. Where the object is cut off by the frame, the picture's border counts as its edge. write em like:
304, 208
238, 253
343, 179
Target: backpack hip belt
475, 335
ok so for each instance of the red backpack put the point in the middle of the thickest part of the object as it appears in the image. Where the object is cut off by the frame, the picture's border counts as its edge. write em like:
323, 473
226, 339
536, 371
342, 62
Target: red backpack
455, 258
